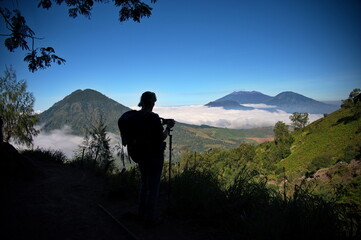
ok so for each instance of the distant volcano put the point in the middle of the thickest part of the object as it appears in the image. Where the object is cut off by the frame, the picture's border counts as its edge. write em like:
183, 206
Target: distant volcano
79, 109
287, 101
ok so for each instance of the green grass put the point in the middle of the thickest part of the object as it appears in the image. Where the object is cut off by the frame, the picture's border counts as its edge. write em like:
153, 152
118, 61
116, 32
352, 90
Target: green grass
330, 137
249, 209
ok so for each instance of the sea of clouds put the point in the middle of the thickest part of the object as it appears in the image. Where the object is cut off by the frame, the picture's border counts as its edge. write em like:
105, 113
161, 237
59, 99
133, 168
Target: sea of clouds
235, 119
65, 141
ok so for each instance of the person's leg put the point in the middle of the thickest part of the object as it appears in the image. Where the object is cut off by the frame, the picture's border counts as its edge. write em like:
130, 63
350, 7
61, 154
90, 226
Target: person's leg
144, 191
154, 184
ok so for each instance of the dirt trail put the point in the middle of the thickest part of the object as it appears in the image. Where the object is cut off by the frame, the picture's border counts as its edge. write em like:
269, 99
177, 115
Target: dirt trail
63, 204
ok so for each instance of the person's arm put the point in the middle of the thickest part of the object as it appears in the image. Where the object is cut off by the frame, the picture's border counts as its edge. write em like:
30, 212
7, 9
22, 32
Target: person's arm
167, 130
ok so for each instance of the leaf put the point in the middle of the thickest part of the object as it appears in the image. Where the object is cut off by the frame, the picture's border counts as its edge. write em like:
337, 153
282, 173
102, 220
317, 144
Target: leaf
43, 60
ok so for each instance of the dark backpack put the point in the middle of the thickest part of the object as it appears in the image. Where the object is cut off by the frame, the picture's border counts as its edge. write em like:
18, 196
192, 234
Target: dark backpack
131, 133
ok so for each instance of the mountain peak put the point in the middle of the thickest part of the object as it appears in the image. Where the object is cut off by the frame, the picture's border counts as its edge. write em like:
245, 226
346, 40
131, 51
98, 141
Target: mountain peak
245, 92
245, 97
79, 108
287, 101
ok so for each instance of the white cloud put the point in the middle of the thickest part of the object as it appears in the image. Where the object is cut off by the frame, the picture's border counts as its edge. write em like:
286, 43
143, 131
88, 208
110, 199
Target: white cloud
38, 111
63, 140
219, 117
59, 139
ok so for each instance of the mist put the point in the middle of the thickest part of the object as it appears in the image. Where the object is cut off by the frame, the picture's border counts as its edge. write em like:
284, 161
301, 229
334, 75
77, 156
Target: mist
220, 117
58, 139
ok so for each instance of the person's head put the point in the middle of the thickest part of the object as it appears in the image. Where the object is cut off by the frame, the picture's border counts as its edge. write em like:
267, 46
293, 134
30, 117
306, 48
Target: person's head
147, 100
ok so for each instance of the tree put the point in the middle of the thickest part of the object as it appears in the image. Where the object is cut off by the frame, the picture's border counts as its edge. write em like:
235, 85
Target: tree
353, 102
16, 109
353, 98
283, 140
96, 145
282, 135
40, 58
299, 120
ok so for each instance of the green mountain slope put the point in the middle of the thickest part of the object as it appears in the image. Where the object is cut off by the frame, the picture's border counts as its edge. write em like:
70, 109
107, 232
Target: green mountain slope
336, 137
203, 138
79, 109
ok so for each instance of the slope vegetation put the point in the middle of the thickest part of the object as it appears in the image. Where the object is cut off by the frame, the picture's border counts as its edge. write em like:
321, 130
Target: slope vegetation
334, 138
80, 109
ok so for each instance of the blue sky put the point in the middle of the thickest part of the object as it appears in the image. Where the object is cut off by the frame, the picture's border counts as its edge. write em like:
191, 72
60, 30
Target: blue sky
196, 51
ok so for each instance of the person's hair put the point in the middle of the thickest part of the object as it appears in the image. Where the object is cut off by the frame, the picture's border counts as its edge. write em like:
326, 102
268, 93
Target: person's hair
147, 99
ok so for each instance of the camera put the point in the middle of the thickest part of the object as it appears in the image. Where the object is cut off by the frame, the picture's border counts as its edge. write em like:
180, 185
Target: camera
169, 122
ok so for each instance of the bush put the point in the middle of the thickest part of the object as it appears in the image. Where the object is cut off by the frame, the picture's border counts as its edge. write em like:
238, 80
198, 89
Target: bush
196, 195
46, 155
124, 184
319, 162
350, 153
249, 209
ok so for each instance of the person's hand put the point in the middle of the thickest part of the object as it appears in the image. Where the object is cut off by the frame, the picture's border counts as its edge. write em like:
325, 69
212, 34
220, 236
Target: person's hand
170, 123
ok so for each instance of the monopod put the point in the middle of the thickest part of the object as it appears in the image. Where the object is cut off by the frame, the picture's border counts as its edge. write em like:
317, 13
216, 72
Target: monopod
170, 164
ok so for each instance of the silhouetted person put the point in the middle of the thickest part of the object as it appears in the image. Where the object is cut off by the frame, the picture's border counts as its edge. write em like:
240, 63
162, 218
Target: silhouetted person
151, 156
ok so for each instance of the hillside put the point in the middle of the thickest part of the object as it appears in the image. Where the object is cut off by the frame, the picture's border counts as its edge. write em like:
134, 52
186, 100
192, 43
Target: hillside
203, 138
336, 137
79, 110
293, 102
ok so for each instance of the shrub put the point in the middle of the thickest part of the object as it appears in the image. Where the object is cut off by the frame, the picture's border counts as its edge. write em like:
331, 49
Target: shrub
350, 152
45, 155
124, 184
319, 162
196, 195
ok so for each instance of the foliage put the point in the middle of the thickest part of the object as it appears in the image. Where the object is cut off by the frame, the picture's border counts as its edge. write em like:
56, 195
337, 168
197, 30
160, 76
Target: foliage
283, 140
268, 154
96, 146
40, 58
353, 102
353, 98
319, 145
335, 135
16, 109
43, 60
224, 164
281, 133
196, 195
249, 209
45, 155
299, 120
130, 9
321, 161
351, 152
